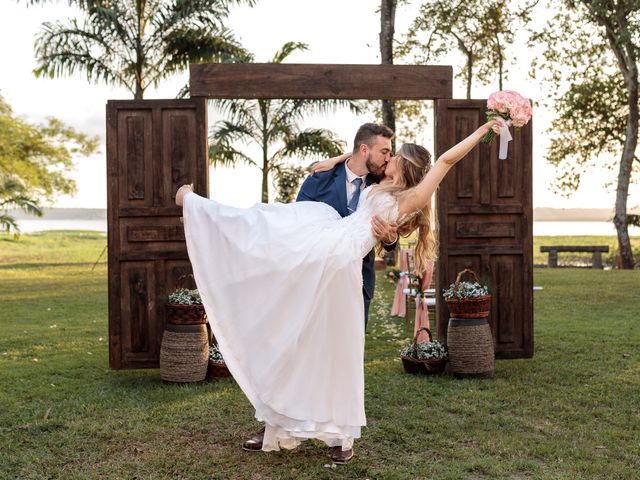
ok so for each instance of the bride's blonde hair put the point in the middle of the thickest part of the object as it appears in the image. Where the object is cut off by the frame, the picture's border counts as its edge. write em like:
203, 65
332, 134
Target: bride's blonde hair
414, 161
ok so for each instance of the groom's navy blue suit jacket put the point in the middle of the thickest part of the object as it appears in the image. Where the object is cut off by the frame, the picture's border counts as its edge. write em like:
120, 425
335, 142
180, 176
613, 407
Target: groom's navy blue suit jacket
330, 187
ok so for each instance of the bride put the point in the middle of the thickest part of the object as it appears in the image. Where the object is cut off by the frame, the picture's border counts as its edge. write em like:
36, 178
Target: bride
282, 288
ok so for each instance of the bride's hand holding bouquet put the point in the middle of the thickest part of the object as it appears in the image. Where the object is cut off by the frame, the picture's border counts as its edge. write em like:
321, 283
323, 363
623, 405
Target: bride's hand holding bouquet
509, 108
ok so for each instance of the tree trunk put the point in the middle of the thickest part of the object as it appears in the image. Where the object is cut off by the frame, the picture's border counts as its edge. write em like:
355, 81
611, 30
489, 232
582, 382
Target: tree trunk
265, 173
265, 167
500, 61
387, 30
624, 174
264, 116
469, 73
265, 183
615, 20
139, 93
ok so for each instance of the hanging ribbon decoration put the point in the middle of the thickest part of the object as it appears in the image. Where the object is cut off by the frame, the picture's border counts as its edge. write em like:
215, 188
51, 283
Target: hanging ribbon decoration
422, 317
399, 306
422, 310
505, 137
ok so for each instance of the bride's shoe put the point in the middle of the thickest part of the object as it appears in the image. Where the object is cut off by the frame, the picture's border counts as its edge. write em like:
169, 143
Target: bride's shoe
340, 457
182, 191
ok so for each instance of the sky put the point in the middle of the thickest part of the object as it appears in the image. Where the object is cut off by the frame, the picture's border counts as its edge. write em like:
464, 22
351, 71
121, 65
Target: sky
337, 31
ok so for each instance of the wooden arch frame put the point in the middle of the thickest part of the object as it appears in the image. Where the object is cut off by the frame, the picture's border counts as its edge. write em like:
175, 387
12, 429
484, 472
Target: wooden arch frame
313, 81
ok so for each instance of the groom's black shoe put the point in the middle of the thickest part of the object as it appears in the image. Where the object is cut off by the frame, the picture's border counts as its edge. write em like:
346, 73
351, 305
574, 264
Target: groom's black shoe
340, 456
255, 442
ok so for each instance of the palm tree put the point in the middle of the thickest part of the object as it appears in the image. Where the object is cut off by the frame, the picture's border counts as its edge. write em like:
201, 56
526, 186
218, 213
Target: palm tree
13, 194
136, 43
273, 123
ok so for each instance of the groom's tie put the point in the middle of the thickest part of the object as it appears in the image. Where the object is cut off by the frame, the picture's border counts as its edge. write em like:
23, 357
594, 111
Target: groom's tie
353, 203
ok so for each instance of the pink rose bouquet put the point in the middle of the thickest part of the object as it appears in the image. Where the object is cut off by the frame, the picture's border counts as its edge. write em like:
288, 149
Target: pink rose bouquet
513, 109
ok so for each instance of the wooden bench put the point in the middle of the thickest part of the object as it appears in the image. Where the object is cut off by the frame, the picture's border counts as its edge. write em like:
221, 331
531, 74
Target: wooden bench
596, 250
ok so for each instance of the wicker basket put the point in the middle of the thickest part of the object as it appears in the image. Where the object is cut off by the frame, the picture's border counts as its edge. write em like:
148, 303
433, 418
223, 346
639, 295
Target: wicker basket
184, 353
178, 314
476, 307
217, 370
470, 344
430, 366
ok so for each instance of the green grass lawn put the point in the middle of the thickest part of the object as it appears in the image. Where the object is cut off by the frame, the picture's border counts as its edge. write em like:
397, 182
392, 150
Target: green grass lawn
571, 412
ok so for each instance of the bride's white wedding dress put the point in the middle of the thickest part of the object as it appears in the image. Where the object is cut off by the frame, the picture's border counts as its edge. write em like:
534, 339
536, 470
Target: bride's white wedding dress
282, 288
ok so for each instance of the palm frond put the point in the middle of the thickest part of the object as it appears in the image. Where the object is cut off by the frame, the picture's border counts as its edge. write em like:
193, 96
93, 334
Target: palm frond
224, 154
179, 13
294, 110
239, 111
13, 194
112, 21
184, 92
80, 3
287, 49
280, 130
222, 138
63, 49
191, 45
227, 131
26, 204
8, 223
67, 63
312, 143
250, 3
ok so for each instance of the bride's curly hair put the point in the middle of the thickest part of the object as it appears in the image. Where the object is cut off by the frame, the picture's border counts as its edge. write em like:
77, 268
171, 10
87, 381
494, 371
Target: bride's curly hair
414, 161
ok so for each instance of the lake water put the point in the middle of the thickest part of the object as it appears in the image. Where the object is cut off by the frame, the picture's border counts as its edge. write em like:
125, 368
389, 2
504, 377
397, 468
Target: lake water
539, 228
39, 225
578, 228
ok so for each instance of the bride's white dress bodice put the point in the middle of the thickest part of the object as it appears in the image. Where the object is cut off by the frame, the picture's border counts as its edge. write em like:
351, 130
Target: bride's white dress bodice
358, 224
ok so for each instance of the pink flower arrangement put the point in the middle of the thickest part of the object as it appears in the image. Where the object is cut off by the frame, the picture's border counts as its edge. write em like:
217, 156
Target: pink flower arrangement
517, 108
511, 107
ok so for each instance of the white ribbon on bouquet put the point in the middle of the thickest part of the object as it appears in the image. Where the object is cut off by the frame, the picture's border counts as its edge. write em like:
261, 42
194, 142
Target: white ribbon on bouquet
505, 137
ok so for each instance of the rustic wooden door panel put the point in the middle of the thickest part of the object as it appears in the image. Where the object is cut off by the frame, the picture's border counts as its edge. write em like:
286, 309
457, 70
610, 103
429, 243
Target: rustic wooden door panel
153, 147
139, 335
473, 228
135, 152
485, 217
137, 235
507, 286
180, 141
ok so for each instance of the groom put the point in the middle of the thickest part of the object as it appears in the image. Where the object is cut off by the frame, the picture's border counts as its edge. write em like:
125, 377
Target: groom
340, 188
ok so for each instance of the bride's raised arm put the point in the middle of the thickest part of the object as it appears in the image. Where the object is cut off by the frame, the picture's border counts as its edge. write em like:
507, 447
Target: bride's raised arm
417, 197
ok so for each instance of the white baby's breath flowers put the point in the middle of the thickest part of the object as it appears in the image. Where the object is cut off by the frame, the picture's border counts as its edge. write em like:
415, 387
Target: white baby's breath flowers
215, 355
425, 350
465, 290
184, 296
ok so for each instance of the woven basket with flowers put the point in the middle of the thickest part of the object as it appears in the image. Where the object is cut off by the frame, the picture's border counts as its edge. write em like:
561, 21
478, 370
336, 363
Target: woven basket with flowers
427, 358
184, 307
217, 366
467, 299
